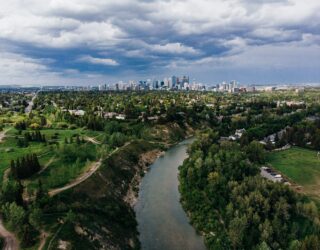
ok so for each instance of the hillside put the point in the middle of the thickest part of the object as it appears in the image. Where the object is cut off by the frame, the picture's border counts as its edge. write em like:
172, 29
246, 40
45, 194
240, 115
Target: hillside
101, 219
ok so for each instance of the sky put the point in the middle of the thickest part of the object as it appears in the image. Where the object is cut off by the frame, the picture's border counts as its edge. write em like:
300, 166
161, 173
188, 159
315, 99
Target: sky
102, 41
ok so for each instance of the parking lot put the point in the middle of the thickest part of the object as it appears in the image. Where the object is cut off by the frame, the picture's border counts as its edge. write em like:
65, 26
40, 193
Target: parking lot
272, 175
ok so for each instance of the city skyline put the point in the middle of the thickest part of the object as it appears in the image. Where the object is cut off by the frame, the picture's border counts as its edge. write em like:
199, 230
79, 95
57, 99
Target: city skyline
90, 42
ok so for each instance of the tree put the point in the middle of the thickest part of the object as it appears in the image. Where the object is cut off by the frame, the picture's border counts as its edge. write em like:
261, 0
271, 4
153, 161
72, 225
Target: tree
117, 139
35, 217
263, 246
255, 152
236, 231
14, 214
25, 167
316, 140
244, 140
311, 242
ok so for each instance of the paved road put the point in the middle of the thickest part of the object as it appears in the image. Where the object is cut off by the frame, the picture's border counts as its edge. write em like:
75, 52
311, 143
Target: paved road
30, 106
10, 240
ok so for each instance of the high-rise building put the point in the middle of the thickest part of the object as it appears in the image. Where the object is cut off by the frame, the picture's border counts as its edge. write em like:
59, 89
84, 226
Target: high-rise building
174, 81
185, 79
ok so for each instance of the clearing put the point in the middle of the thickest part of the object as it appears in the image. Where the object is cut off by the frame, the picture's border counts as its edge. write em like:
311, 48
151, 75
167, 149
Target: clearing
301, 166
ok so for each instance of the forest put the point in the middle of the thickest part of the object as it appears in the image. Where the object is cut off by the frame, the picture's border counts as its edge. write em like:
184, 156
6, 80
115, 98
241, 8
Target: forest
235, 208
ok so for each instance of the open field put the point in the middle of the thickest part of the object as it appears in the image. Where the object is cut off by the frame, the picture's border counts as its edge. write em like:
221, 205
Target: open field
300, 165
45, 152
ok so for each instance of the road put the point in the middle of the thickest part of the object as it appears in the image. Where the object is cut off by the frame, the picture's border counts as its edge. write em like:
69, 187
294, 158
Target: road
10, 240
30, 106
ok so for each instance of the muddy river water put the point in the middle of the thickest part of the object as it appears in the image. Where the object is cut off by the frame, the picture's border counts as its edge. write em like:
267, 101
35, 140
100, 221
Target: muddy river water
162, 222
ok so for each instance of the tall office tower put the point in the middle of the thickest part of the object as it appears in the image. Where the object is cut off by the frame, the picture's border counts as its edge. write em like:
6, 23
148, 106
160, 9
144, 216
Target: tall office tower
233, 83
224, 86
185, 79
169, 83
166, 82
174, 81
230, 87
154, 84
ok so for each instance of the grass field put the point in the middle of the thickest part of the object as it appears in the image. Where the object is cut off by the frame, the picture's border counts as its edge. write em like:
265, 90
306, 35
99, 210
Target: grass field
302, 166
9, 151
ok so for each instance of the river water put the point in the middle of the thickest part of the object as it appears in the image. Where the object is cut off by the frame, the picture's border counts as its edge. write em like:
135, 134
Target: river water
162, 223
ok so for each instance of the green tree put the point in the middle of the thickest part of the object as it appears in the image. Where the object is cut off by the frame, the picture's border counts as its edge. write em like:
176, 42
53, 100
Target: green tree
14, 214
256, 152
35, 217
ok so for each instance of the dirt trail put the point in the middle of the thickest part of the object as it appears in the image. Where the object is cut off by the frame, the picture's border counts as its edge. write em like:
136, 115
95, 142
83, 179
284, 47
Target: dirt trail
10, 240
44, 235
3, 134
93, 168
6, 174
92, 140
47, 165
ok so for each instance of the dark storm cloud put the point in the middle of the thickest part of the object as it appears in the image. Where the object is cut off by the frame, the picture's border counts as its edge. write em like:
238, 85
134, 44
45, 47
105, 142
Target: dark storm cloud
114, 37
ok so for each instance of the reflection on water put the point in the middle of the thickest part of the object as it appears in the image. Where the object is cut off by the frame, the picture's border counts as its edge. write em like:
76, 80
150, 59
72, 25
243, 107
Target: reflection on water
162, 222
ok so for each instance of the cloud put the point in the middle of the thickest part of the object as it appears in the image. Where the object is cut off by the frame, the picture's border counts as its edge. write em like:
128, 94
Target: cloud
94, 60
15, 64
147, 36
173, 48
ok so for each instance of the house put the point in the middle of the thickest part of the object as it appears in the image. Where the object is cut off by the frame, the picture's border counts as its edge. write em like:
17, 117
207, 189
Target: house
77, 112
239, 133
109, 115
153, 118
232, 138
121, 117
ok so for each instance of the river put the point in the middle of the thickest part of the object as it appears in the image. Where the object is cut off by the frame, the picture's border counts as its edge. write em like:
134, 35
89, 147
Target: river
162, 222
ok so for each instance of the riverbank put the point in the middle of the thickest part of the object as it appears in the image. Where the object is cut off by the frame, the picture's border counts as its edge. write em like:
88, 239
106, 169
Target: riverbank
145, 160
102, 204
162, 223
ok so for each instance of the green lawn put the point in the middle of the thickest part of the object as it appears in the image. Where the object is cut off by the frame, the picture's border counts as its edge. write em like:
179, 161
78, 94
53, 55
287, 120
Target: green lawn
301, 165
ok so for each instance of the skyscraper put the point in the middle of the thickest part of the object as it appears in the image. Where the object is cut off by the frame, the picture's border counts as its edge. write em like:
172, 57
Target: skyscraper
174, 81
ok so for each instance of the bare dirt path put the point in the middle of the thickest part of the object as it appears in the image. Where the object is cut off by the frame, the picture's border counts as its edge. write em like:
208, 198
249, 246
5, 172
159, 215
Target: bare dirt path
92, 140
10, 240
3, 134
44, 235
47, 165
6, 175
93, 168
